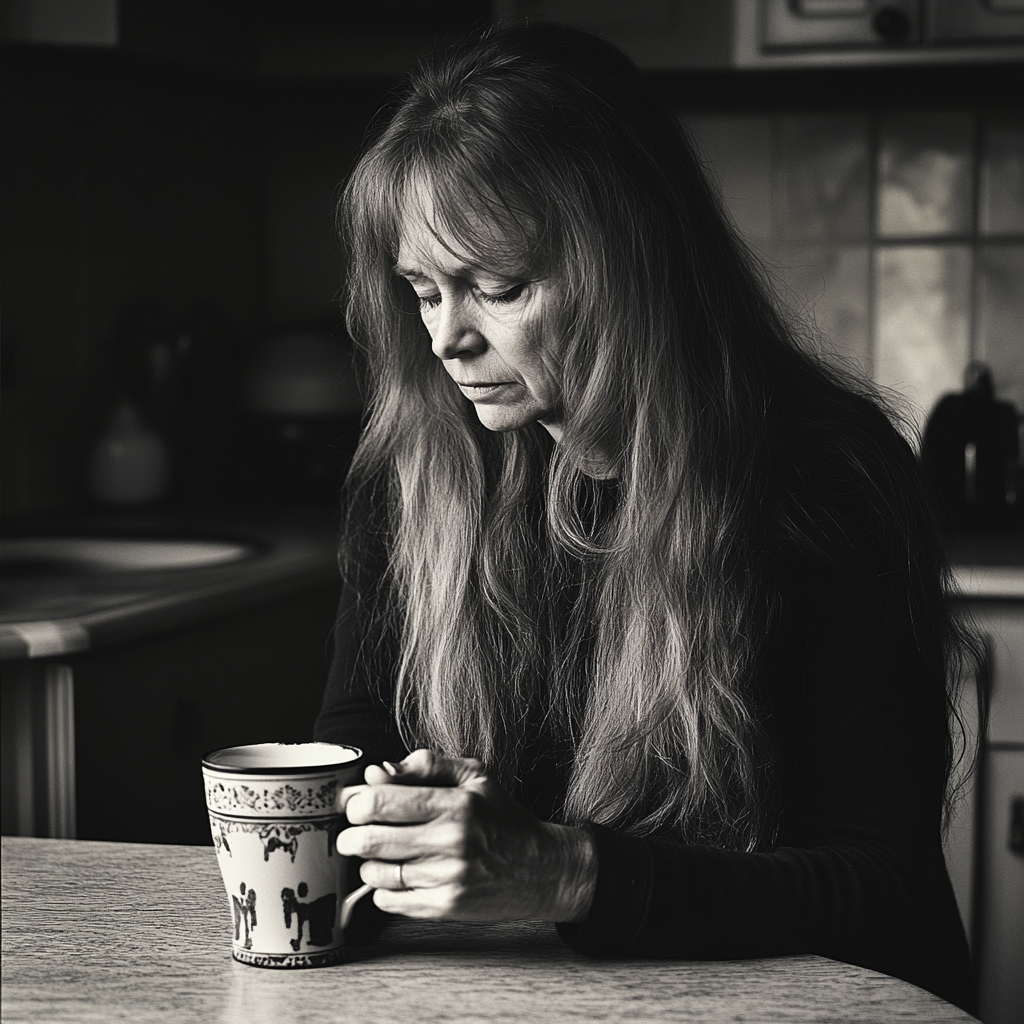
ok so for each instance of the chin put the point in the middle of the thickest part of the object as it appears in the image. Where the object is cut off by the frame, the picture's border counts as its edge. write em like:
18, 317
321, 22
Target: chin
501, 421
502, 425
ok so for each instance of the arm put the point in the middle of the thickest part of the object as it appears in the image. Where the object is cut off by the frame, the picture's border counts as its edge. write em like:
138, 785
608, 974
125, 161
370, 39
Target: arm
356, 706
857, 873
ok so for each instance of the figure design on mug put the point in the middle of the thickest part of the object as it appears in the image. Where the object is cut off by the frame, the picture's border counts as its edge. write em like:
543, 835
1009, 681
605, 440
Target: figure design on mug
320, 913
245, 913
273, 843
220, 840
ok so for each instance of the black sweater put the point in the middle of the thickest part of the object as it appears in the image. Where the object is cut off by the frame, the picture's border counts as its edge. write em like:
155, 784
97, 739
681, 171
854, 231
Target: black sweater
857, 873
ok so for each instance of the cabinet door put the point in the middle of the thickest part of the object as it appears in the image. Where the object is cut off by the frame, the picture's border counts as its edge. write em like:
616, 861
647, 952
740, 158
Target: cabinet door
147, 712
998, 878
961, 834
1000, 945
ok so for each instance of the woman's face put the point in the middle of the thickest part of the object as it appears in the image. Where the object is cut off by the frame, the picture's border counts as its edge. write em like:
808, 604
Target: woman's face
495, 330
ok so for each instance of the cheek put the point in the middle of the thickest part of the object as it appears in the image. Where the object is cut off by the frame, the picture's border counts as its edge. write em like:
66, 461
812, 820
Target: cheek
548, 362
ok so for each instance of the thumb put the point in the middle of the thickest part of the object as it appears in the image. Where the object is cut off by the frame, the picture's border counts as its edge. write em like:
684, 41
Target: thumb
429, 768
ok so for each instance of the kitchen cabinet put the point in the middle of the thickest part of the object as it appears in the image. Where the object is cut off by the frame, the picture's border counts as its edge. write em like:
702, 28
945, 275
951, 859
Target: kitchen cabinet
719, 34
113, 738
985, 845
116, 682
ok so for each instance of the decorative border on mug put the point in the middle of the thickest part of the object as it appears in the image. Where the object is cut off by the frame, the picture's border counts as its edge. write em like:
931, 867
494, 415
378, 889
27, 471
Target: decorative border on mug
286, 961
274, 836
239, 797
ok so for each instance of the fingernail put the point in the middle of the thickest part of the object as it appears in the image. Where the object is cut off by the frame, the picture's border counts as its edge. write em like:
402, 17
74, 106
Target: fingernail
393, 769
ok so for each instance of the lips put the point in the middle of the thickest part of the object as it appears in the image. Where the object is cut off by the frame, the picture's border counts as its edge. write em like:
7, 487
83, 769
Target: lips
480, 389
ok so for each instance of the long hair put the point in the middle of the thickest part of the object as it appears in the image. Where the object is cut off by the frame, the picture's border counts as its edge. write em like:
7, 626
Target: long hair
632, 620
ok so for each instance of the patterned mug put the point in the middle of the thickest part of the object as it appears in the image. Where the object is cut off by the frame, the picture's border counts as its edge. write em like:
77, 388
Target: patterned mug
274, 824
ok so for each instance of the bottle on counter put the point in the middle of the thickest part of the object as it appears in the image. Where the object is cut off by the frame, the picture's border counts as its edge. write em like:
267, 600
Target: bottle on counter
129, 464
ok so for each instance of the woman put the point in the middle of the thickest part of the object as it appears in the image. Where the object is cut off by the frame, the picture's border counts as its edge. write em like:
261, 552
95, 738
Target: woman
656, 595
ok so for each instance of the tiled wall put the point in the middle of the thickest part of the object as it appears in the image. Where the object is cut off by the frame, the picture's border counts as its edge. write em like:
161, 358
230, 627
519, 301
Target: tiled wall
899, 236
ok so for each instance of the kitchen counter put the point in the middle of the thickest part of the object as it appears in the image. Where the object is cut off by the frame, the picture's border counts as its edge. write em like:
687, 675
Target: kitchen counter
54, 613
103, 640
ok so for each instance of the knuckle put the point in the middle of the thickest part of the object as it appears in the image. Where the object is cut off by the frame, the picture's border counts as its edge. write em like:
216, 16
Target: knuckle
459, 843
421, 758
464, 806
423, 805
359, 808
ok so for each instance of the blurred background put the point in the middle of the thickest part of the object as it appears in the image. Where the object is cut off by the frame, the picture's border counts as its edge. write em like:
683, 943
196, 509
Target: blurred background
171, 170
178, 399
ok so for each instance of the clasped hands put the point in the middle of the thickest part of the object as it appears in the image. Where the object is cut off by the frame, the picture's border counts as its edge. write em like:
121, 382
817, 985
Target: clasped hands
467, 851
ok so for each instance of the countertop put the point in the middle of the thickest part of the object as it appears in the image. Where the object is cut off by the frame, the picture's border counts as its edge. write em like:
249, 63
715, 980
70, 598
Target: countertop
52, 614
141, 933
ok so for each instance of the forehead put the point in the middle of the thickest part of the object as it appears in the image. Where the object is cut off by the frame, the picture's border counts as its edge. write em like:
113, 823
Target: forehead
453, 237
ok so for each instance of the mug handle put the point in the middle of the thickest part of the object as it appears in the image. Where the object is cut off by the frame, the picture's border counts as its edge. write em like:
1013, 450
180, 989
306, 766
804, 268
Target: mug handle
350, 901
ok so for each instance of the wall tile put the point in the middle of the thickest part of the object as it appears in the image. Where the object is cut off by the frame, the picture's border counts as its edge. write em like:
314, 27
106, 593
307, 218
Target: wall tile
1000, 318
822, 177
828, 287
925, 175
1002, 175
739, 152
922, 334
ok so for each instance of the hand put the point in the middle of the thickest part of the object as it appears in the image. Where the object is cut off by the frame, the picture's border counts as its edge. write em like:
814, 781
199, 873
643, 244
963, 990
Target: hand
468, 852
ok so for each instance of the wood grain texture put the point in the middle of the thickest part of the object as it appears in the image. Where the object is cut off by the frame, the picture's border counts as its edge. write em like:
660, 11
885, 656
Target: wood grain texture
121, 932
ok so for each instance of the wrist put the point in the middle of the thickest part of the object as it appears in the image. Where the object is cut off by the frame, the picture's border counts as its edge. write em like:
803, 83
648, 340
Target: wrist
575, 876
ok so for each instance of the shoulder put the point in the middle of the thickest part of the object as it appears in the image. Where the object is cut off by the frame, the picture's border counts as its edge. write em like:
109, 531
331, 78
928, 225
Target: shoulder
851, 482
856, 536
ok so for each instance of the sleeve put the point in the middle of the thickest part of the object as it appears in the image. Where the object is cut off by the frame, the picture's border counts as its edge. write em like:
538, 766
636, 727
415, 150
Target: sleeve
857, 873
356, 707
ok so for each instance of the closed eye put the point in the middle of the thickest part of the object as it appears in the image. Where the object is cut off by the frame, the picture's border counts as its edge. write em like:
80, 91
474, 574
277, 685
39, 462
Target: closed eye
511, 295
429, 301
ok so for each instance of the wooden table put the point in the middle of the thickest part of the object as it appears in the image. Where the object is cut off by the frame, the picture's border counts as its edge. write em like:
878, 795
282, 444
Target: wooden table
120, 932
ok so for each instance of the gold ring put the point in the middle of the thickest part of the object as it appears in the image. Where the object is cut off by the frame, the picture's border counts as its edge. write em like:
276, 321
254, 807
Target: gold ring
401, 881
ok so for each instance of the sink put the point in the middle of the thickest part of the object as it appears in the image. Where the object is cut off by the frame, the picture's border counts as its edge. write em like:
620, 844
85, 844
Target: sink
47, 556
73, 583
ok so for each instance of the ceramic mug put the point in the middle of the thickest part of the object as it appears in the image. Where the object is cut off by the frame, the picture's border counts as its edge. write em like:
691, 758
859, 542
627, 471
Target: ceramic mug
274, 825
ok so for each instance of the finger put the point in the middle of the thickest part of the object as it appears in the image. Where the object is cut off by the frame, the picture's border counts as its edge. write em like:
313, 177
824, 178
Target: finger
418, 873
428, 767
345, 794
376, 776
400, 842
402, 805
385, 874
429, 903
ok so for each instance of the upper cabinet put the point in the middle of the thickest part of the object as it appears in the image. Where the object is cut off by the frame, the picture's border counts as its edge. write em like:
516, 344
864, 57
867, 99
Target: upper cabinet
340, 39
685, 34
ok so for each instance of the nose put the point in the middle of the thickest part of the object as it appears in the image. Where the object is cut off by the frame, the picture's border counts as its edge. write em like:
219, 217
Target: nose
457, 332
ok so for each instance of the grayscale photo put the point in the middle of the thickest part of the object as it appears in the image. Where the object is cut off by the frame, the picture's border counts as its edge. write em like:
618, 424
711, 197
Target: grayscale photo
512, 510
